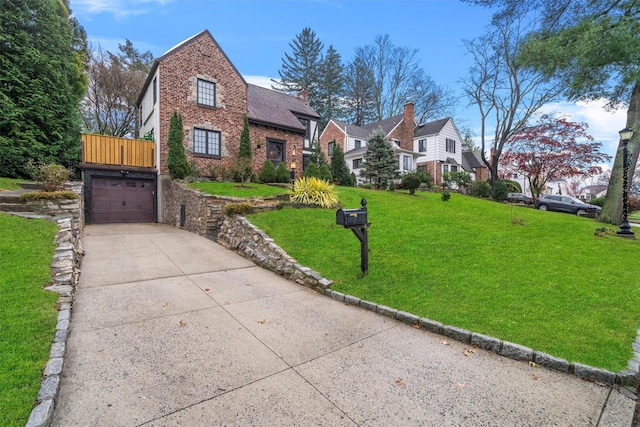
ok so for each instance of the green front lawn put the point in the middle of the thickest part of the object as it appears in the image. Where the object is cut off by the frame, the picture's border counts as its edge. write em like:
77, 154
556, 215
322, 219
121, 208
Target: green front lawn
540, 279
27, 315
234, 189
8, 184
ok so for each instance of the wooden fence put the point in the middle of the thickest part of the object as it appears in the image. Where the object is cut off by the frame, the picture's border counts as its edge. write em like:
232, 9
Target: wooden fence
112, 150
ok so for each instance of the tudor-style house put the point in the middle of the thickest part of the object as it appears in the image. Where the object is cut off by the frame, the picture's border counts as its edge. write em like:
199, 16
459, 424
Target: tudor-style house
197, 79
433, 147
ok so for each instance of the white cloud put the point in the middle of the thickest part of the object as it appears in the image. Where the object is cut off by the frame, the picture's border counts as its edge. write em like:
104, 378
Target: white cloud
262, 81
603, 125
118, 8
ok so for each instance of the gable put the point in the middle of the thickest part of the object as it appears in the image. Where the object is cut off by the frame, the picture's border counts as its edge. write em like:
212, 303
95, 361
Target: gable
272, 108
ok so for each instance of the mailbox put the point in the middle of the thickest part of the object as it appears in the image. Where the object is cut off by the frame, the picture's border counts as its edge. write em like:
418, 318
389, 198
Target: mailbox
351, 217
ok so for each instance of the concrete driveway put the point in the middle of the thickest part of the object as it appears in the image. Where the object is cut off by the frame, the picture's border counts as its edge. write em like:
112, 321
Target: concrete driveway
170, 329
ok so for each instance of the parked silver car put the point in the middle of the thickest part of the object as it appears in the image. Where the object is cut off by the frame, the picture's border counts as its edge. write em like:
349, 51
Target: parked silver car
560, 203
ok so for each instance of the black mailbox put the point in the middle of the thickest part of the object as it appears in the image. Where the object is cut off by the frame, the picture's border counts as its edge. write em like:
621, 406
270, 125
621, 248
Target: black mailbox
351, 217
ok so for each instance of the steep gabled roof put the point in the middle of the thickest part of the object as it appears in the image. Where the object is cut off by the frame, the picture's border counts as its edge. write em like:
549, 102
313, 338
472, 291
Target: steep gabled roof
176, 48
431, 128
272, 108
385, 125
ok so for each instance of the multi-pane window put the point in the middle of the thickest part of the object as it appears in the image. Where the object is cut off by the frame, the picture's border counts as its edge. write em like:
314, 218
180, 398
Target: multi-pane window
422, 145
206, 93
450, 146
206, 142
358, 143
454, 168
330, 149
357, 163
445, 168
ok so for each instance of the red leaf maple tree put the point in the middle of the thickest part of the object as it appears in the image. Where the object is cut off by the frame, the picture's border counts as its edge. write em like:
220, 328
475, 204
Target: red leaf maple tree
553, 148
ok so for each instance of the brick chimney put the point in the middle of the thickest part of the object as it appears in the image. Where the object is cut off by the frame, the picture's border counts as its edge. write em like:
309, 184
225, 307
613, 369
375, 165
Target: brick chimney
408, 126
304, 95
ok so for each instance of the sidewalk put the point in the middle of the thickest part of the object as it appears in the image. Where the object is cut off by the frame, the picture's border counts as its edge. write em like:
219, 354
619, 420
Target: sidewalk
169, 328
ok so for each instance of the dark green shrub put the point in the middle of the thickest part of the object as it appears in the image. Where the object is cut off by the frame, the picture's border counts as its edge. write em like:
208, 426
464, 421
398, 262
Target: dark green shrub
282, 173
501, 191
176, 159
325, 173
598, 201
254, 178
445, 195
242, 208
410, 182
424, 186
367, 186
392, 186
481, 189
424, 177
353, 179
312, 171
268, 172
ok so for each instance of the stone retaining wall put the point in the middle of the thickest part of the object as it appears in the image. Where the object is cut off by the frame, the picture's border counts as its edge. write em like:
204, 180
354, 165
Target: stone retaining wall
65, 273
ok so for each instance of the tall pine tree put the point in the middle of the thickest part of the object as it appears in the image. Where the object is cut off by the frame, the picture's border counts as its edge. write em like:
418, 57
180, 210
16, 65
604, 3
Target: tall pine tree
359, 92
41, 84
379, 163
302, 68
331, 87
339, 168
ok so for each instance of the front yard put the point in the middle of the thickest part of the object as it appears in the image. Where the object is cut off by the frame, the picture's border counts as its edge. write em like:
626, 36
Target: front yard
28, 315
540, 279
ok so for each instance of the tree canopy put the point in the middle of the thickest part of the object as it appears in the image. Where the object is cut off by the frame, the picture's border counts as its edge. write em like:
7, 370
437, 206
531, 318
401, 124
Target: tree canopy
593, 48
379, 163
551, 149
41, 84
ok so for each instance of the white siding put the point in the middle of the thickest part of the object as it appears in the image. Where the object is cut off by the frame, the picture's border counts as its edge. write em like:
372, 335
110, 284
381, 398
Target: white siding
151, 113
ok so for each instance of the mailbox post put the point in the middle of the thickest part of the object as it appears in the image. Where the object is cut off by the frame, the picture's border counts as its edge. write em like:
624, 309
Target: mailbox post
356, 221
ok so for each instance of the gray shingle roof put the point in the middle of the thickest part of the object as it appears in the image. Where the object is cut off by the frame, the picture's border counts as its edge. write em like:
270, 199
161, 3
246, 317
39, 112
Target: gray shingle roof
471, 160
430, 128
274, 108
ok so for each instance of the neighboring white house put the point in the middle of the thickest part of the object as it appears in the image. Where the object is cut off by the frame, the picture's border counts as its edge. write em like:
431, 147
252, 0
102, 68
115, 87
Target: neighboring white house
434, 147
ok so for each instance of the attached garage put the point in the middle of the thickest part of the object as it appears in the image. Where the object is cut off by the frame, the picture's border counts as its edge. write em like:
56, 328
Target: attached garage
121, 200
119, 196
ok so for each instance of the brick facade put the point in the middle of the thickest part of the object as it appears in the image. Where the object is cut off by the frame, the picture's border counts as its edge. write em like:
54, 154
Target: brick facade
259, 136
332, 132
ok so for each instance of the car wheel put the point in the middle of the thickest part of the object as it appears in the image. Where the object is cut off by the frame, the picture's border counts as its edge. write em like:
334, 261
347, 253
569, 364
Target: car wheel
521, 203
543, 207
581, 212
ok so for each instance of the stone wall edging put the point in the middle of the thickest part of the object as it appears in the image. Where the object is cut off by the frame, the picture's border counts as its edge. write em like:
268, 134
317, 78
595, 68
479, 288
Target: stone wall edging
238, 234
65, 273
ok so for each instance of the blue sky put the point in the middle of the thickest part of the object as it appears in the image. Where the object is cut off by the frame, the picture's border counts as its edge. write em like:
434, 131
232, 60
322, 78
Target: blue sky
255, 34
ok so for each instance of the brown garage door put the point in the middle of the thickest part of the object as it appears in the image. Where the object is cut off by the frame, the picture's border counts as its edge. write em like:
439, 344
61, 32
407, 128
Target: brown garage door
121, 200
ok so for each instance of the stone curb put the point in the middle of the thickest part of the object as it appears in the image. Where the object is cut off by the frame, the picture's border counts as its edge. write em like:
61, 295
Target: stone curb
627, 378
65, 272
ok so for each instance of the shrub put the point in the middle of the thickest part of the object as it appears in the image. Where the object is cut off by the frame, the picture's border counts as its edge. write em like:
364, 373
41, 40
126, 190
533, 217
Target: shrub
481, 189
325, 173
424, 177
51, 176
194, 170
424, 187
598, 201
410, 182
176, 159
312, 171
367, 186
254, 178
501, 190
282, 173
513, 186
445, 195
268, 172
353, 179
48, 195
314, 191
242, 208
392, 186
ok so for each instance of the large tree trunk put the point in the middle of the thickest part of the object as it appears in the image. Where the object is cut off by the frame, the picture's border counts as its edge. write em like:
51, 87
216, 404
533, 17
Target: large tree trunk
612, 208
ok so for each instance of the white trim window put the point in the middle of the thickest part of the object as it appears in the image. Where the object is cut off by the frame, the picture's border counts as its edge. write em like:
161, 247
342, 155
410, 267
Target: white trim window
422, 146
206, 93
206, 142
407, 163
450, 145
357, 163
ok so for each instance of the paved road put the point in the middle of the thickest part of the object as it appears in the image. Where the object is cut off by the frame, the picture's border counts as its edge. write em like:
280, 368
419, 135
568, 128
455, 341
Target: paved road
170, 329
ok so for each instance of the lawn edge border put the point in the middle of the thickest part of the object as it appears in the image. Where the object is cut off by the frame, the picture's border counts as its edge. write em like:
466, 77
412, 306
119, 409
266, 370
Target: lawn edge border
244, 238
65, 273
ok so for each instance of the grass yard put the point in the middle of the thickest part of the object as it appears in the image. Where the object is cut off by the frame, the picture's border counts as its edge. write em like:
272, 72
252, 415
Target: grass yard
540, 279
634, 216
233, 189
28, 316
8, 184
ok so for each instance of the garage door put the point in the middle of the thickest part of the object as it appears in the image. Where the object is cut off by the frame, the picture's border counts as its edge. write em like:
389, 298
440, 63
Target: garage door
121, 200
